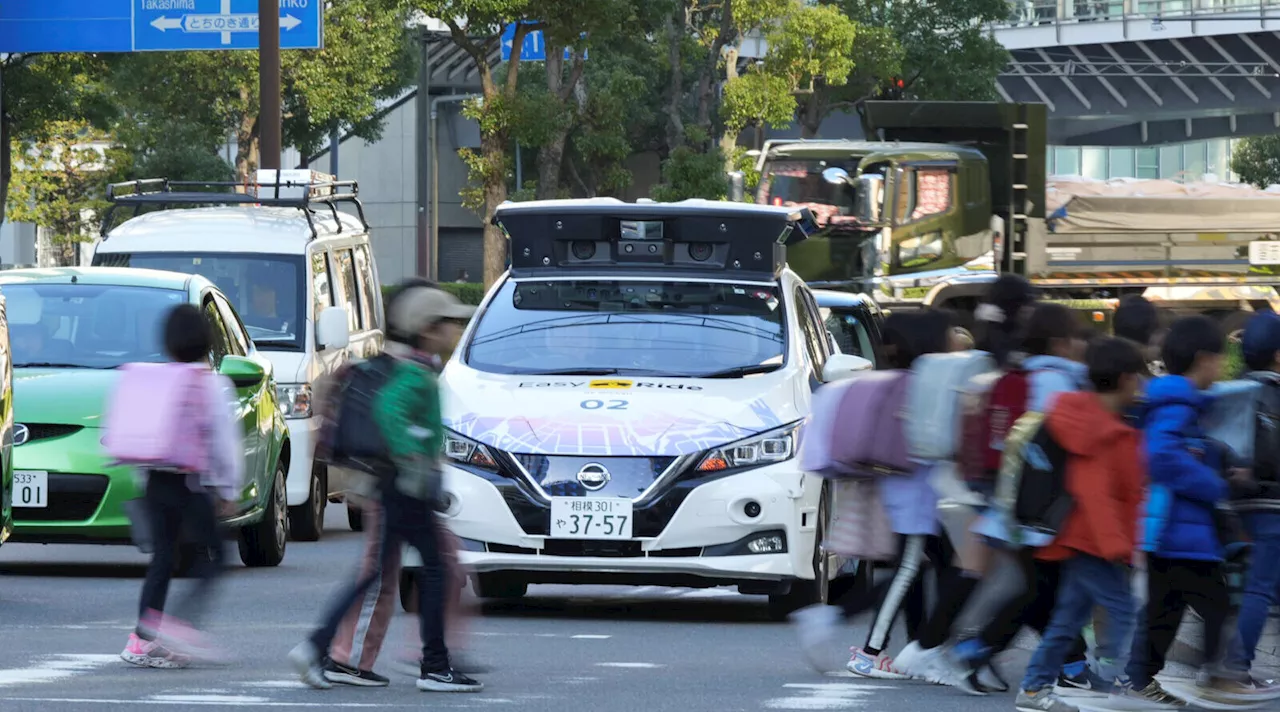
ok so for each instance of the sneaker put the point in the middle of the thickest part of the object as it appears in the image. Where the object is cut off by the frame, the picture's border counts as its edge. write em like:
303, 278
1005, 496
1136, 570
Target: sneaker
967, 682
815, 627
306, 660
184, 639
137, 651
1045, 700
1227, 691
448, 681
1084, 683
148, 653
914, 661
346, 675
879, 666
1156, 694
990, 679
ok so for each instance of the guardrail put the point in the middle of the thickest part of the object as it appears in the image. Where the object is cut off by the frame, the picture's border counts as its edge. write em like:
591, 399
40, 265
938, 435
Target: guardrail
1025, 13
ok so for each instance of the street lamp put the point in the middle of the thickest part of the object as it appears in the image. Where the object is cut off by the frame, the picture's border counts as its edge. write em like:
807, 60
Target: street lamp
430, 30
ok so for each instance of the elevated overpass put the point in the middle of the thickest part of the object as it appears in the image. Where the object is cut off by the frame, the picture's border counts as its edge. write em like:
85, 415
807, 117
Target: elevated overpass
1145, 72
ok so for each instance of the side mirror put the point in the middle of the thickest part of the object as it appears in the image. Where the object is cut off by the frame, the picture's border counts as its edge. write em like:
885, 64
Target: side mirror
868, 198
842, 366
333, 330
737, 186
242, 371
836, 176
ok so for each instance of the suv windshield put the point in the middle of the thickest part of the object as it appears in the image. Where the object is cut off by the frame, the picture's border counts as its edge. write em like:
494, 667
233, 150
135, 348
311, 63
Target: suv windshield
266, 290
86, 325
683, 329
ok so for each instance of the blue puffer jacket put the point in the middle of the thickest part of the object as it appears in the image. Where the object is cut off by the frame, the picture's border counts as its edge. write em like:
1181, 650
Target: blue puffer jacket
1185, 480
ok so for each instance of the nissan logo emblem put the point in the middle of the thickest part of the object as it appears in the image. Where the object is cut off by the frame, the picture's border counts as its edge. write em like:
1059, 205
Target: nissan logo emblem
593, 476
20, 434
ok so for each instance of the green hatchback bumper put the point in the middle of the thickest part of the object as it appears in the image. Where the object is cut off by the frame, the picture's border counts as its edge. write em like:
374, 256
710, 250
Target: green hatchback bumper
83, 497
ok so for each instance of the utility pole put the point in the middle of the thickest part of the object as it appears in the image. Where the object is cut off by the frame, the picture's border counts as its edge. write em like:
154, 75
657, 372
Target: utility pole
269, 118
425, 258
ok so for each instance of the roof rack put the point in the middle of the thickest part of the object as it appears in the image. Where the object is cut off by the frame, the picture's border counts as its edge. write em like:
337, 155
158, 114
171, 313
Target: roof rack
162, 192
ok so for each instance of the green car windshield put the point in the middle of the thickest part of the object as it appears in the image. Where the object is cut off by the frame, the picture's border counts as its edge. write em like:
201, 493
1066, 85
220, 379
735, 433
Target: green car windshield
86, 325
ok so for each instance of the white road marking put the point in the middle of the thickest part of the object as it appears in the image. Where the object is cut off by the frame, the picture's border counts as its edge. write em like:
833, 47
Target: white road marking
710, 593
637, 666
209, 699
829, 696
232, 703
55, 667
592, 637
294, 684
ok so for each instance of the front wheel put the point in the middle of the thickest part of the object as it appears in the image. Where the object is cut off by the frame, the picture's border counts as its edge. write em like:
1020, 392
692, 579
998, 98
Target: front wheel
263, 544
306, 521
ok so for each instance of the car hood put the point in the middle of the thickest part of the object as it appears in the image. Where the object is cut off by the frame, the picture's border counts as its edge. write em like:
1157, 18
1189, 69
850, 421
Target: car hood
68, 396
614, 416
289, 366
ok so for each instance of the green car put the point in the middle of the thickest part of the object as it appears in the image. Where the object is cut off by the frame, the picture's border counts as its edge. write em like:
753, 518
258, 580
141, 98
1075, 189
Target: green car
6, 429
70, 328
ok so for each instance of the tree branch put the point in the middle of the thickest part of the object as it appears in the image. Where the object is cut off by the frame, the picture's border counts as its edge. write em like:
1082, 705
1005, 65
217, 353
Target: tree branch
513, 64
575, 75
478, 54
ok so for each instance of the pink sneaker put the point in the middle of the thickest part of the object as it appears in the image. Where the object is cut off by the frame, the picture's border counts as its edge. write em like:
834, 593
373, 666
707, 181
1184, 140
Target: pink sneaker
148, 653
185, 640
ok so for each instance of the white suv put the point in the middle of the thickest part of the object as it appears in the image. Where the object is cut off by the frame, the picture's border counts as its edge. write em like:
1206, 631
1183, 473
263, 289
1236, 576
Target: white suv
299, 271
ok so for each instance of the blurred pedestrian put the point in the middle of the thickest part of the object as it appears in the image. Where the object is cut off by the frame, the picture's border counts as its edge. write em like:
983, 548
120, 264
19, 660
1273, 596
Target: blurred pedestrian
404, 412
192, 440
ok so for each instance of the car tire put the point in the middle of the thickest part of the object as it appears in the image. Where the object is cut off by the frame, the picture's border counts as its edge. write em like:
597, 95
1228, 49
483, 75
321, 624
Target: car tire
409, 590
264, 543
499, 586
306, 521
355, 518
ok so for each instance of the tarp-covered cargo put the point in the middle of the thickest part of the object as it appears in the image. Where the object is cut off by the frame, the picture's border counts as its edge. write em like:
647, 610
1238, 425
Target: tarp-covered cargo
1085, 206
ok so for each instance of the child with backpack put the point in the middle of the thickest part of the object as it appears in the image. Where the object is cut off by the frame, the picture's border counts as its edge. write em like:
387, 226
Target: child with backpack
1180, 538
177, 423
1101, 482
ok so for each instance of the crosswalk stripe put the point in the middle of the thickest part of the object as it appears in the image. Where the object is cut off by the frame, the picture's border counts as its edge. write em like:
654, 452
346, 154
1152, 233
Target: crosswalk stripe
54, 667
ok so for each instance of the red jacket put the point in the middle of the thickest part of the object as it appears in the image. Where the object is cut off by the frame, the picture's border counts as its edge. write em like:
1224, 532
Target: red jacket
1104, 476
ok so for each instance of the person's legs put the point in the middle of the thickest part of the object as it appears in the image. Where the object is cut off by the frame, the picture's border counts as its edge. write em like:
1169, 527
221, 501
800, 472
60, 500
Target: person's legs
200, 518
1261, 585
1157, 629
360, 636
904, 579
1204, 589
1074, 604
164, 499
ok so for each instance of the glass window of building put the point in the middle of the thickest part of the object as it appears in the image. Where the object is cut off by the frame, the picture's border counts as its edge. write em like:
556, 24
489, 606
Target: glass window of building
1066, 161
1147, 163
1120, 163
1094, 162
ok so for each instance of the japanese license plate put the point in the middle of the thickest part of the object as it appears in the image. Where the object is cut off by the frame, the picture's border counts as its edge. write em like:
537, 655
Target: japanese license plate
590, 518
30, 489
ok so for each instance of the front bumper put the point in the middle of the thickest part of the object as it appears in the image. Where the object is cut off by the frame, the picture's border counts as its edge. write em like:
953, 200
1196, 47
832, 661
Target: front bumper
302, 439
85, 497
701, 542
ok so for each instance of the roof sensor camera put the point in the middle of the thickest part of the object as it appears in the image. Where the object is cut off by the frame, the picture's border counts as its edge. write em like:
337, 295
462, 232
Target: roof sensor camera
700, 251
584, 249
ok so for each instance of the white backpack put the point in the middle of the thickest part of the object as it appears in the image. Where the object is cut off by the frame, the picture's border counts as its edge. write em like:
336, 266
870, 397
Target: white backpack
933, 401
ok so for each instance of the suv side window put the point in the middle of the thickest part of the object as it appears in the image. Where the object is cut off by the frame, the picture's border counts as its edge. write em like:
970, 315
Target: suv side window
239, 341
321, 282
367, 287
220, 338
346, 273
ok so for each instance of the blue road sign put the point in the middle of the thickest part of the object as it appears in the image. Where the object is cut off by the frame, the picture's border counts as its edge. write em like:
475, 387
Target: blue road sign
152, 25
533, 49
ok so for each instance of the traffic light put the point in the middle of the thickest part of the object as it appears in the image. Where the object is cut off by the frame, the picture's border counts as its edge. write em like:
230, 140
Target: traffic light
893, 89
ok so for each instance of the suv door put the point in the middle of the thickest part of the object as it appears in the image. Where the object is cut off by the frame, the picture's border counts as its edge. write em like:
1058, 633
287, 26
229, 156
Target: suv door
856, 331
249, 399
365, 339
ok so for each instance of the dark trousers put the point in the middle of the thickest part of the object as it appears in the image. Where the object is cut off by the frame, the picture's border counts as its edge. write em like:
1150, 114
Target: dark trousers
174, 508
1172, 586
1032, 608
409, 521
901, 593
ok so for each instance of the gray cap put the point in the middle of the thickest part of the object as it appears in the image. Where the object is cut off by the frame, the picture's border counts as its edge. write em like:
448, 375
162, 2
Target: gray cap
419, 307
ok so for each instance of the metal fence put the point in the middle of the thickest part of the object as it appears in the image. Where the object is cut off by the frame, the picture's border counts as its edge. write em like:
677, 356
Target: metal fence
1024, 13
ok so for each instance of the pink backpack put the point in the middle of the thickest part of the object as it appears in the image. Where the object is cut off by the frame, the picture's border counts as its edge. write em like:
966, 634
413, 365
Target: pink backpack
856, 429
158, 417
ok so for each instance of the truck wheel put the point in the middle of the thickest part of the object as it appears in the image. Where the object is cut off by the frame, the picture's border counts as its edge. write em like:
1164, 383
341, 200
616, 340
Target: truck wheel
306, 521
499, 586
263, 544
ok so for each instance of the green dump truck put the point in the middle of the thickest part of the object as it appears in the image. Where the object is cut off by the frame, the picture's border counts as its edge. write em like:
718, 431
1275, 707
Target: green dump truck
950, 194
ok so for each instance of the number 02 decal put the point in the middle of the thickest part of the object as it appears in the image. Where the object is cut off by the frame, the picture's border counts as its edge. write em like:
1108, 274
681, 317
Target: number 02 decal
607, 405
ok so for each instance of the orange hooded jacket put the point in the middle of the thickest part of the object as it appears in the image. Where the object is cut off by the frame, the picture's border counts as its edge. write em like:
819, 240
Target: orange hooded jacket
1105, 476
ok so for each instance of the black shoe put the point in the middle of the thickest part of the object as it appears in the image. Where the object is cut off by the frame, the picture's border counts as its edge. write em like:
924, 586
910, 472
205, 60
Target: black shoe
448, 681
347, 675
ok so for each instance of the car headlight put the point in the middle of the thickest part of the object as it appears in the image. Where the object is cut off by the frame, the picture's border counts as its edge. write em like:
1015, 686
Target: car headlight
758, 450
466, 451
294, 400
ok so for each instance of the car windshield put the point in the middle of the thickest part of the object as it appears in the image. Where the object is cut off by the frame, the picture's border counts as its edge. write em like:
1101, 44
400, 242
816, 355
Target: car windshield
682, 329
266, 290
86, 325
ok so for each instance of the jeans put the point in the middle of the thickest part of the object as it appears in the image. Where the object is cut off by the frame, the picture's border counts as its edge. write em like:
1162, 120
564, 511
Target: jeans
1172, 586
1032, 605
1262, 587
411, 521
174, 507
1086, 581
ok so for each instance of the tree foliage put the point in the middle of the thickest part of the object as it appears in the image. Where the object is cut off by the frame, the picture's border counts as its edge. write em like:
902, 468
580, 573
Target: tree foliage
58, 182
1256, 160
